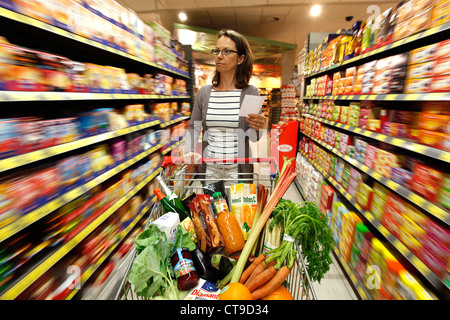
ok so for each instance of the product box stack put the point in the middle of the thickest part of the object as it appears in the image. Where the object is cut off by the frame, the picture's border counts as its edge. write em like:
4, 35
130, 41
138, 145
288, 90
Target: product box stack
288, 103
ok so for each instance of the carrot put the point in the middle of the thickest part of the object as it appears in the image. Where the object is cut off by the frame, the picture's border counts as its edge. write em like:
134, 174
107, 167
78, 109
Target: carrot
251, 268
272, 284
259, 268
262, 278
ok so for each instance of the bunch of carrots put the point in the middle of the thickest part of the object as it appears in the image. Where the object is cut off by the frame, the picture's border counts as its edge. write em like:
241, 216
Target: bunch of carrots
261, 278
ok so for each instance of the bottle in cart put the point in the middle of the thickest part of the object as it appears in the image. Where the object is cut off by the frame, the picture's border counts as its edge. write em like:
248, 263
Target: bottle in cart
171, 206
228, 226
172, 196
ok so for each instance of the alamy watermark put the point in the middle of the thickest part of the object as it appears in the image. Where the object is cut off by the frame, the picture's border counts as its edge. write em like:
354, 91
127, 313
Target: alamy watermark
373, 281
73, 280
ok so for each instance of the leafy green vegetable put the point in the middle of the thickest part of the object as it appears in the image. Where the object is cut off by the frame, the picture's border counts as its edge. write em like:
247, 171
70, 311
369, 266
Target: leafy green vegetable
308, 226
183, 239
151, 273
150, 236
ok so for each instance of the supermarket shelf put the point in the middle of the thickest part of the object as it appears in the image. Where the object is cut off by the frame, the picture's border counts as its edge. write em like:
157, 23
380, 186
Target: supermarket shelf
23, 222
24, 96
34, 23
359, 286
430, 96
52, 259
426, 272
91, 270
433, 209
173, 121
419, 39
398, 142
27, 158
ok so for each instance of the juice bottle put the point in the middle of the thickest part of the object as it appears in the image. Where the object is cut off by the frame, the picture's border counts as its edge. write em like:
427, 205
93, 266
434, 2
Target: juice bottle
228, 226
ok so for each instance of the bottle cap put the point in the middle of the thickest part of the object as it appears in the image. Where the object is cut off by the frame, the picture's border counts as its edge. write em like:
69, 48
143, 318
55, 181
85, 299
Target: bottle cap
158, 193
217, 194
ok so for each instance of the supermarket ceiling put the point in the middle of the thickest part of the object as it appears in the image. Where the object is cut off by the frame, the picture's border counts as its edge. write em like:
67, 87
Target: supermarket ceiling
285, 23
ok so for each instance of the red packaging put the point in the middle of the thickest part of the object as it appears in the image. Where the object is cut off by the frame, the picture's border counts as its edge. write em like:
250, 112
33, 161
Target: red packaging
384, 116
326, 198
440, 84
318, 128
427, 190
427, 174
389, 221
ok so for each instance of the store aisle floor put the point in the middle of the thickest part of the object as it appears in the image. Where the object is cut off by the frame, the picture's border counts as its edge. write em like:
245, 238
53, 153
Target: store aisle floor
334, 286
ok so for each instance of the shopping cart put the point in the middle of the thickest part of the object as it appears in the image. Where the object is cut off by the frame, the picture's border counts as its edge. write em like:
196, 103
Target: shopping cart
298, 281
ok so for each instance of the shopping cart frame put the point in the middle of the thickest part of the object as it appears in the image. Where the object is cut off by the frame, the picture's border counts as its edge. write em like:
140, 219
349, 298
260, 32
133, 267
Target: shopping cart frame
298, 281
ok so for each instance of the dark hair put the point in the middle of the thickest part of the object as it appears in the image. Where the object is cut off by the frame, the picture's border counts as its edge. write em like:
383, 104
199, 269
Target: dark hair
245, 70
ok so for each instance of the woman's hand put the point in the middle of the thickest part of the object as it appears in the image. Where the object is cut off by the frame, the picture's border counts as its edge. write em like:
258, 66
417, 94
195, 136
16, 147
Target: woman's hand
257, 121
192, 158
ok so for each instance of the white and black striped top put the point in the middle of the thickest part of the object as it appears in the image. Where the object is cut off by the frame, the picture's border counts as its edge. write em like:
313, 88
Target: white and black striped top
222, 122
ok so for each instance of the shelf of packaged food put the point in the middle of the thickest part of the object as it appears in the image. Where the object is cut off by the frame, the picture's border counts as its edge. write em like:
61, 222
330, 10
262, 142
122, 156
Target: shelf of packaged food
31, 22
173, 121
31, 157
93, 268
419, 39
424, 96
437, 211
25, 96
358, 285
398, 142
172, 146
426, 272
299, 188
17, 288
24, 221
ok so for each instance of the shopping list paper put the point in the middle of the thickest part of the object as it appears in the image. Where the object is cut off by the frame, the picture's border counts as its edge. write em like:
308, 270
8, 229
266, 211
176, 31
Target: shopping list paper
251, 104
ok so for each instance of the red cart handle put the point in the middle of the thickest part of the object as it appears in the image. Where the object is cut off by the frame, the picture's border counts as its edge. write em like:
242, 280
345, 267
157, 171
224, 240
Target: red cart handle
170, 161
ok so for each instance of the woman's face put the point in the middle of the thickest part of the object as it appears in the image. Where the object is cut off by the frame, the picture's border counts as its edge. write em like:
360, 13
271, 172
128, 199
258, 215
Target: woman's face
230, 62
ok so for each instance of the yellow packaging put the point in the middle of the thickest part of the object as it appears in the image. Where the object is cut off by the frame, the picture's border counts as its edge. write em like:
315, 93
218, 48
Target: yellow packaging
409, 240
349, 222
243, 198
441, 13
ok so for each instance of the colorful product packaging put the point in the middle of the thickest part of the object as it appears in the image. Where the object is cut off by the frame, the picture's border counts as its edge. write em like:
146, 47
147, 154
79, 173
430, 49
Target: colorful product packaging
243, 198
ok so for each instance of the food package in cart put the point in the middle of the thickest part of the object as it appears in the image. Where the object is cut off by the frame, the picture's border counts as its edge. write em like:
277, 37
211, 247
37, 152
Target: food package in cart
243, 198
205, 290
208, 234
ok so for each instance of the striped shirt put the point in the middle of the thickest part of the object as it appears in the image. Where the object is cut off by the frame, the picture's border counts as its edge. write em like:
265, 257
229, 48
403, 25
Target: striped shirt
222, 122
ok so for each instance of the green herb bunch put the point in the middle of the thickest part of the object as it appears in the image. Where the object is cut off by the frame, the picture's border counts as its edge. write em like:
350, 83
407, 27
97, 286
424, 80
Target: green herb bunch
308, 226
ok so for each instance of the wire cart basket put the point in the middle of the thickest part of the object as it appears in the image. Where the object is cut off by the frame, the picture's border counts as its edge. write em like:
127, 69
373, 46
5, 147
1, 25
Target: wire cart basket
184, 183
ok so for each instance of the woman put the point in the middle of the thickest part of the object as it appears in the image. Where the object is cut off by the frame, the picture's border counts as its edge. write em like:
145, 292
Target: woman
216, 111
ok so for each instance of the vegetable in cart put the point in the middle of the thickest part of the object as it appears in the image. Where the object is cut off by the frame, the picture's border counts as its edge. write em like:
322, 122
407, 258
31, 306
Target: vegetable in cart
306, 224
151, 273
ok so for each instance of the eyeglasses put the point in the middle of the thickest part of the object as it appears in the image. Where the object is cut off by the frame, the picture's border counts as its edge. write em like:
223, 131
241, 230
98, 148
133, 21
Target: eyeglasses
225, 52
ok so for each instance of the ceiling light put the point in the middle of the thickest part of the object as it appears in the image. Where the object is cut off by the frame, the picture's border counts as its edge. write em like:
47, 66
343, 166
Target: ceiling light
182, 16
186, 37
315, 10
